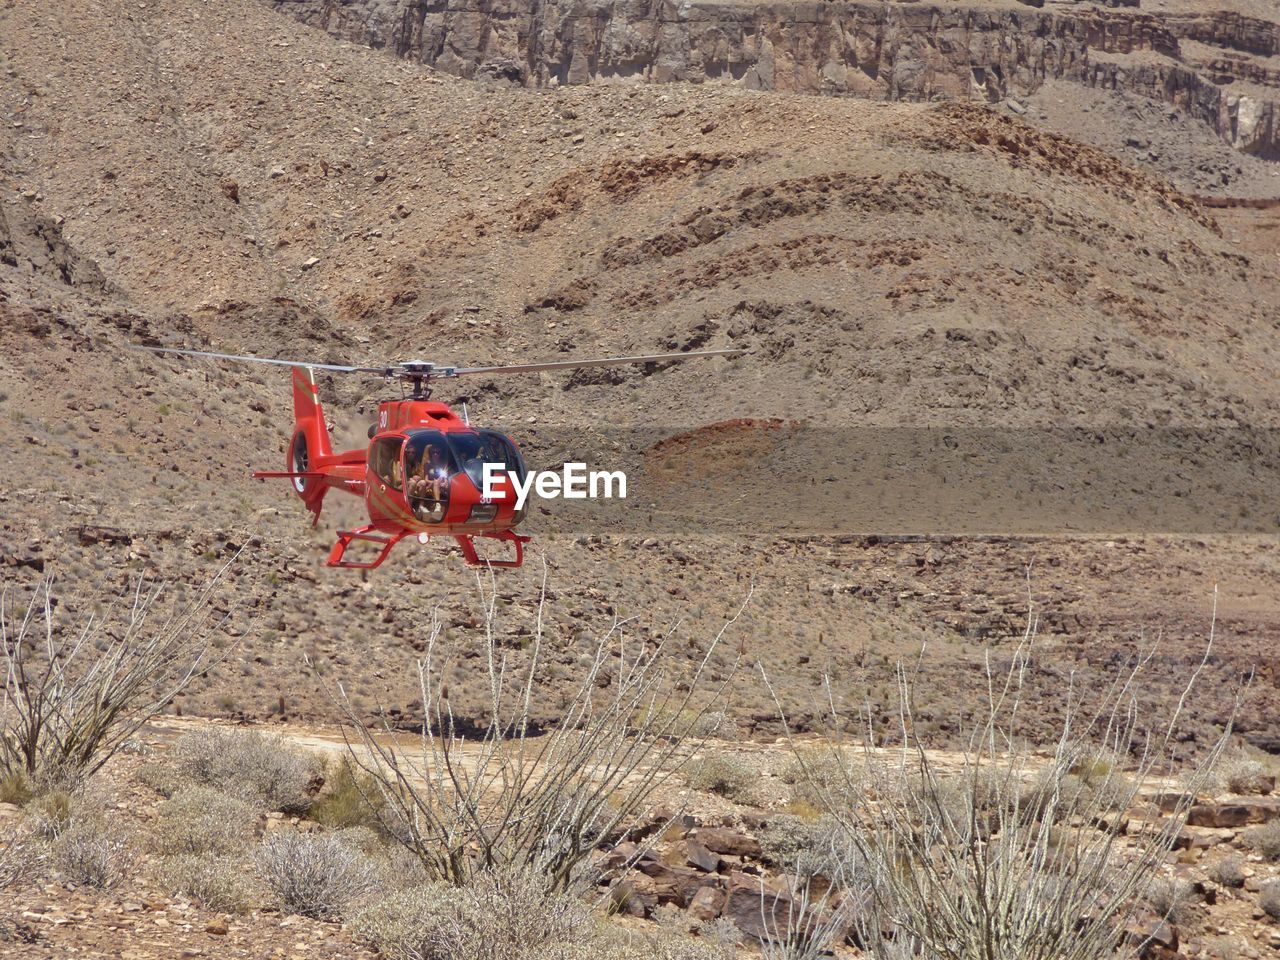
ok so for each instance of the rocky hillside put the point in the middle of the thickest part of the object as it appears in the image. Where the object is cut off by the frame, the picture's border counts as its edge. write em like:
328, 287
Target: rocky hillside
219, 175
1214, 65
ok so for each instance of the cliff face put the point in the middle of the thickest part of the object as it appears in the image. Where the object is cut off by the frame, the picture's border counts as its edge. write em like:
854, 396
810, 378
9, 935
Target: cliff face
878, 50
1230, 30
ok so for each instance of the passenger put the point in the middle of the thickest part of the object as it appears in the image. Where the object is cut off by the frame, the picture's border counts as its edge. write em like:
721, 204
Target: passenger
427, 481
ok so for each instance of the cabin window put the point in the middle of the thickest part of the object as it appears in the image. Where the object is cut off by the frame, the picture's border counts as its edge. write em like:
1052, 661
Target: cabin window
384, 460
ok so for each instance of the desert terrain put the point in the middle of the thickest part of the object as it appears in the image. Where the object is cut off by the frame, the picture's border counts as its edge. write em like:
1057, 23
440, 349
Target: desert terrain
982, 221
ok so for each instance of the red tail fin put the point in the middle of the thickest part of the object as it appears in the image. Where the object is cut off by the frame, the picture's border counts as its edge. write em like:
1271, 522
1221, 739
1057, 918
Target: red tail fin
310, 439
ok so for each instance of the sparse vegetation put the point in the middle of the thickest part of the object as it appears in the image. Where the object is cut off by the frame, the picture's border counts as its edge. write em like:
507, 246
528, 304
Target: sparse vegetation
717, 724
522, 801
73, 693
259, 769
51, 813
724, 774
1269, 899
94, 850
350, 798
1228, 872
1172, 899
15, 787
1265, 840
200, 820
218, 882
1242, 774
18, 857
973, 863
818, 775
511, 913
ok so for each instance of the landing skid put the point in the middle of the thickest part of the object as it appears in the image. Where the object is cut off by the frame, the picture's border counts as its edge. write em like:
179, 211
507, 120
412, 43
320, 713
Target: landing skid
367, 534
473, 559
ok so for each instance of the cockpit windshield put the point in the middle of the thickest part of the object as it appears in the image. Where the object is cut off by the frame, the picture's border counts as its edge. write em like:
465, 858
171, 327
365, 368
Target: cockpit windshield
432, 458
473, 450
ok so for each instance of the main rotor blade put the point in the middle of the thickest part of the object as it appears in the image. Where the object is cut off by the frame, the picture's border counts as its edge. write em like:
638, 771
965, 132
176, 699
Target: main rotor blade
602, 362
380, 371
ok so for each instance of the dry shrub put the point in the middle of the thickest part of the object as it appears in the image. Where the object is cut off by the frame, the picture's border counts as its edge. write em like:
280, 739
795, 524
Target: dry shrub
1265, 840
315, 875
94, 850
259, 769
1011, 856
201, 820
50, 813
1269, 899
723, 774
1228, 872
1241, 774
511, 797
217, 882
514, 914
805, 849
15, 787
716, 724
406, 925
161, 776
19, 856
819, 775
73, 692
784, 838
649, 945
1172, 899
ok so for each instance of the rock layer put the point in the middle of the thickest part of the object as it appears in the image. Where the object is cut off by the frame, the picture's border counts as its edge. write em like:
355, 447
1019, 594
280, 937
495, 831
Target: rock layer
878, 50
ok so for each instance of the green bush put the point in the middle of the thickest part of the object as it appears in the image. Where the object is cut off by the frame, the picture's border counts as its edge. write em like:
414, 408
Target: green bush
348, 798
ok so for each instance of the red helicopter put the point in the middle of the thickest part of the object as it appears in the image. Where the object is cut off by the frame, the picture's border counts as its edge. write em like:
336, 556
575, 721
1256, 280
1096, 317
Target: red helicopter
423, 471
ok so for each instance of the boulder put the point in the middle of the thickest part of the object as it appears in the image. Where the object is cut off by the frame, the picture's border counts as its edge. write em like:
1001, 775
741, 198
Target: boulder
1218, 815
766, 911
676, 885
1238, 813
727, 841
707, 902
1148, 933
699, 856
